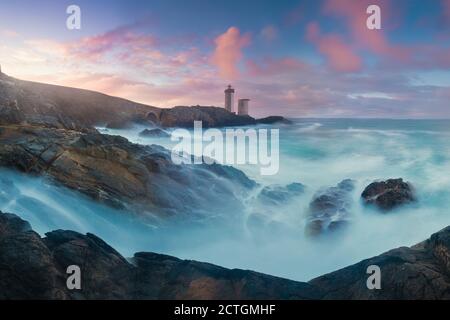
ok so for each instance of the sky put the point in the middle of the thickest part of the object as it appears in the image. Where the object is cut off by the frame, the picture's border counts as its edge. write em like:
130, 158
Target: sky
310, 58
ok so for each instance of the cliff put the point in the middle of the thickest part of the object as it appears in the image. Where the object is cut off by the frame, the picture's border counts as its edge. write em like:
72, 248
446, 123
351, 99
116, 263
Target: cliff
77, 109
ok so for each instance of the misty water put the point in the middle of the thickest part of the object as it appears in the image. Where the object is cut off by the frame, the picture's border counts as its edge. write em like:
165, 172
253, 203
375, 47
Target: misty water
315, 152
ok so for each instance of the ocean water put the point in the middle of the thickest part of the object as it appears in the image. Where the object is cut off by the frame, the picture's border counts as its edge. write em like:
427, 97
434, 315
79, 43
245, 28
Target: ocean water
271, 239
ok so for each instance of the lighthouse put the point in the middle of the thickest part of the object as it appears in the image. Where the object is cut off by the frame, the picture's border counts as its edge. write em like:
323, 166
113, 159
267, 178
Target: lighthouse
229, 99
243, 107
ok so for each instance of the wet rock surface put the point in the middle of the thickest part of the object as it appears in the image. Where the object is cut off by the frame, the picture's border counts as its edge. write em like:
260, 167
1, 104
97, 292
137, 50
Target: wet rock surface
35, 268
419, 272
277, 194
389, 194
154, 133
330, 209
121, 174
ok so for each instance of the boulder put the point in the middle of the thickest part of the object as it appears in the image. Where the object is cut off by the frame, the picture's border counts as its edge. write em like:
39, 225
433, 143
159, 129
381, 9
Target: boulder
330, 209
154, 133
389, 194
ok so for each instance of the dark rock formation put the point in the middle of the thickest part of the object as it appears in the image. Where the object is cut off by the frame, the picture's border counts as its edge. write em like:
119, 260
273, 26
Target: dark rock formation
184, 117
276, 194
154, 133
76, 109
389, 194
329, 209
116, 172
419, 272
273, 120
35, 268
68, 108
210, 116
10, 113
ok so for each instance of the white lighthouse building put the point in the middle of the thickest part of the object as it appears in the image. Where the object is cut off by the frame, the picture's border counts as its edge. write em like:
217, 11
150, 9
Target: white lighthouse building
243, 107
229, 99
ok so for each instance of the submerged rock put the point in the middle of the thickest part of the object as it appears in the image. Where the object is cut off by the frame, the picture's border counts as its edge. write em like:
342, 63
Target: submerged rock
330, 209
154, 133
276, 194
389, 194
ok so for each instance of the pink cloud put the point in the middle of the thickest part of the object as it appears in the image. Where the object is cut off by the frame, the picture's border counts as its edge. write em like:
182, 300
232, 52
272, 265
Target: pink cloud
96, 47
354, 13
340, 57
228, 52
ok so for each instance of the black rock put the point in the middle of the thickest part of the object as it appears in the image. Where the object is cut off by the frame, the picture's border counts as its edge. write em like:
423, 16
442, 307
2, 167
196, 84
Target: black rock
389, 194
154, 133
273, 120
35, 268
330, 209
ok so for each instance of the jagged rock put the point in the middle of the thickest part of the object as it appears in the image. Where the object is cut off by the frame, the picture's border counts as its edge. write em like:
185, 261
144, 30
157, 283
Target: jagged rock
118, 173
35, 268
154, 133
330, 209
389, 194
10, 113
276, 194
419, 272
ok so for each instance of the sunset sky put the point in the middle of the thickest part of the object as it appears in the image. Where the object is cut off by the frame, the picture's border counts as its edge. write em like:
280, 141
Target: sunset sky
293, 58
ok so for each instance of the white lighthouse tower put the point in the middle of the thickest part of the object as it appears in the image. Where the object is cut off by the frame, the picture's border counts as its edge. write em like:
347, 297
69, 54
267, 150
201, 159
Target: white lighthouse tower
229, 99
243, 107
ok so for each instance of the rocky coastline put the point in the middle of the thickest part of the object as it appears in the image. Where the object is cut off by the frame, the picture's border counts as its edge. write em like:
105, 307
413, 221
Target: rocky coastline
49, 131
35, 268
